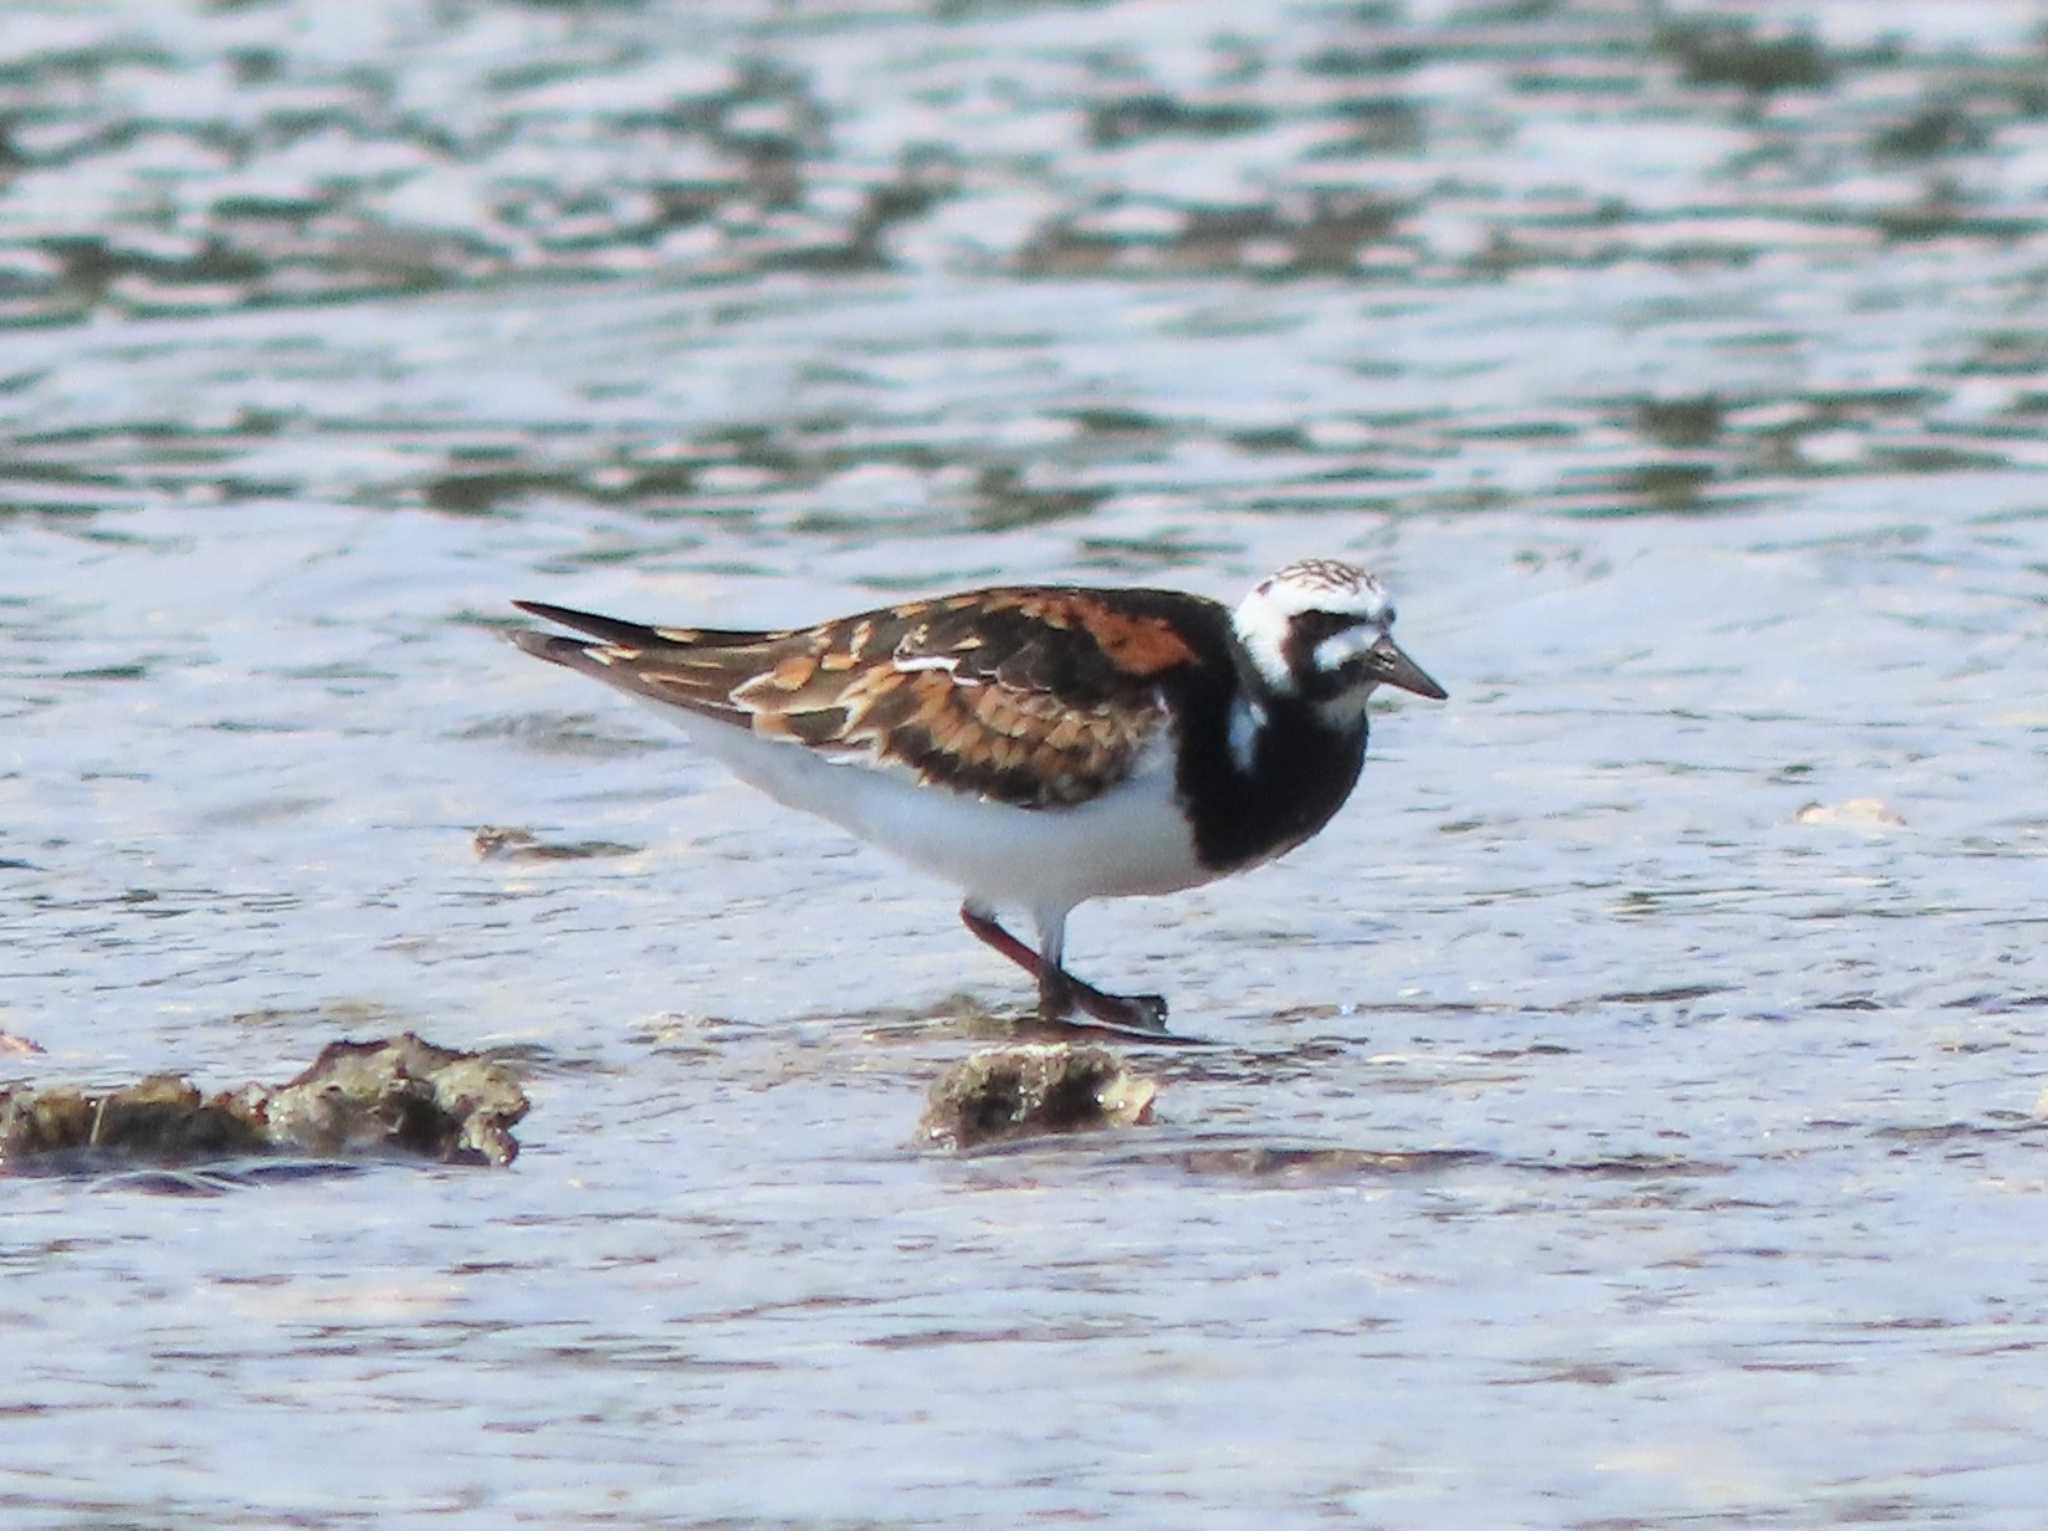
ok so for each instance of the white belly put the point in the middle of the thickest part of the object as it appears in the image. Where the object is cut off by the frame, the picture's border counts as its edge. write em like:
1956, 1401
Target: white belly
1132, 840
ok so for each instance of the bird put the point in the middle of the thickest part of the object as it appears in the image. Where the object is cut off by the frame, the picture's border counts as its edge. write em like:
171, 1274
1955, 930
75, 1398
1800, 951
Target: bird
1038, 745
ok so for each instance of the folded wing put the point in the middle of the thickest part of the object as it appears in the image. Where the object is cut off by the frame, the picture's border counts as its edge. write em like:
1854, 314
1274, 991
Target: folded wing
1034, 697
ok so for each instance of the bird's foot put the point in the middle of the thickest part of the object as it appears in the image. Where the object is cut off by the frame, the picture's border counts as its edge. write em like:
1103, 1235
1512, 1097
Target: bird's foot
1133, 1012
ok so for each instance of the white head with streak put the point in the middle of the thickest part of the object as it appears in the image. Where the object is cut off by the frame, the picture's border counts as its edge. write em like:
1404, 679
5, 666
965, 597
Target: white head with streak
1320, 631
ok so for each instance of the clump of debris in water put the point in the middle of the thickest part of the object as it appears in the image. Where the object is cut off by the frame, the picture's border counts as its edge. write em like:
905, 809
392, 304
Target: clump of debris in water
399, 1095
1013, 1092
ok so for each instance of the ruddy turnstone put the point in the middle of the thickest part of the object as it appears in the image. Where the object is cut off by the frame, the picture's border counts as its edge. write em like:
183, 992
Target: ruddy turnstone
1039, 745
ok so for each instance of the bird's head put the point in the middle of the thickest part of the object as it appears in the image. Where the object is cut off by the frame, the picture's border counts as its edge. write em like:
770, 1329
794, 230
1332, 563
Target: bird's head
1321, 631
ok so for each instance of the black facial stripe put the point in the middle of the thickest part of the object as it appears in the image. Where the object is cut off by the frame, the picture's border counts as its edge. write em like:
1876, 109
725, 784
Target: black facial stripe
1325, 624
1305, 631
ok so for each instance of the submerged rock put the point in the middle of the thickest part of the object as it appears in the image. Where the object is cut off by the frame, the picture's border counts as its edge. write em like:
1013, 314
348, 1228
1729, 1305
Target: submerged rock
1860, 812
399, 1095
496, 842
1012, 1092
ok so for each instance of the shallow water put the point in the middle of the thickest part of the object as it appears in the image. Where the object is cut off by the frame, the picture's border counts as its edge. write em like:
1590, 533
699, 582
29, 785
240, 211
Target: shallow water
1587, 1137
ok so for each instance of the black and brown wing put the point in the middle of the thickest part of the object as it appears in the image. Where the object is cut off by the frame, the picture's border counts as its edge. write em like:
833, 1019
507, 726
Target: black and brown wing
1031, 696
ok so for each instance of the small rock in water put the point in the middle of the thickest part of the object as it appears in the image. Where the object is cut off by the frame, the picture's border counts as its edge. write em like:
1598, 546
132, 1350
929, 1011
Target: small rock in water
495, 842
162, 1117
399, 1094
1865, 812
1012, 1092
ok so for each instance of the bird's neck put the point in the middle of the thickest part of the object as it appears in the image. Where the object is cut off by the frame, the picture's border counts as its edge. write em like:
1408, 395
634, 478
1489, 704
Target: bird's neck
1279, 772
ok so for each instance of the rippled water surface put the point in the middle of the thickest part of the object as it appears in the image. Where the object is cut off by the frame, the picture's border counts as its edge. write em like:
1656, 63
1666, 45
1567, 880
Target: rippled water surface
1613, 1120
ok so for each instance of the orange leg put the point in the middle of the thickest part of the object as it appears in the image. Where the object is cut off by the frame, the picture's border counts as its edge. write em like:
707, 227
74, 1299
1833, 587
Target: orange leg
1060, 992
